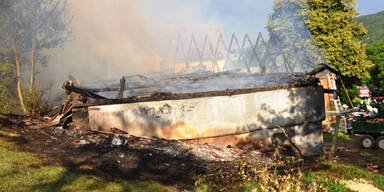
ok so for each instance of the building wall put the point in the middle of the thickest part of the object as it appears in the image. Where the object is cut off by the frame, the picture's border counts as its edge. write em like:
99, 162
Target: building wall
245, 116
328, 98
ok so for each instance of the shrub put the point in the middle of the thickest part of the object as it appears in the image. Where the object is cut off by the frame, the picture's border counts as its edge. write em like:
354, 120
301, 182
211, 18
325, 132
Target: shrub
35, 103
7, 92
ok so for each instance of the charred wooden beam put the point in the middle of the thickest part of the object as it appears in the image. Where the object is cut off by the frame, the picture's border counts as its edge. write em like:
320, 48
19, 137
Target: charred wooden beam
69, 87
188, 81
172, 96
330, 91
323, 67
121, 89
111, 89
198, 82
105, 89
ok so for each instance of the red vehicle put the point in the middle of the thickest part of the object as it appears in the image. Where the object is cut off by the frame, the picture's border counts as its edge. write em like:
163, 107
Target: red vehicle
377, 95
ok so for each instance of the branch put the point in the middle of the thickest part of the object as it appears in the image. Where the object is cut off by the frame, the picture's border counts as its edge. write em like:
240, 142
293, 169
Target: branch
49, 15
291, 142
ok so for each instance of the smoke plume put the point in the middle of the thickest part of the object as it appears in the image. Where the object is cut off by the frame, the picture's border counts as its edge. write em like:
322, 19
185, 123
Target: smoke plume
112, 38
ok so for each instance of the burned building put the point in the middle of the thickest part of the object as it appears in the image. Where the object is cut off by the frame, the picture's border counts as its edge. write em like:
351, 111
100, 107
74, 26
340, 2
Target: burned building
291, 103
273, 104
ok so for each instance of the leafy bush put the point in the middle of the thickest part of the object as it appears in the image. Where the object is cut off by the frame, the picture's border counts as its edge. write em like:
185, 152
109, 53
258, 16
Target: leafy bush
353, 92
35, 104
7, 93
380, 108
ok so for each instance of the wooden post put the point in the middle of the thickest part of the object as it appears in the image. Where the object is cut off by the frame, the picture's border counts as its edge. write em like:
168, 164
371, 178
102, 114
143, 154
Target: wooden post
346, 91
335, 134
121, 89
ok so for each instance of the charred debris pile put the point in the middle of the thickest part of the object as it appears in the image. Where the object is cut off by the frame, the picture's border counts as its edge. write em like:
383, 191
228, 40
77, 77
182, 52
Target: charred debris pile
158, 87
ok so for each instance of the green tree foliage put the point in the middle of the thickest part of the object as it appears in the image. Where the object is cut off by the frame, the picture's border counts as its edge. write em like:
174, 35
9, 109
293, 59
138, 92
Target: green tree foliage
30, 27
353, 92
7, 84
47, 28
374, 23
331, 25
289, 37
7, 78
12, 39
375, 53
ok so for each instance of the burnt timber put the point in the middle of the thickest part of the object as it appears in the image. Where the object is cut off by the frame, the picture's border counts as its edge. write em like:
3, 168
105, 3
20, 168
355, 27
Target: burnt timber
224, 116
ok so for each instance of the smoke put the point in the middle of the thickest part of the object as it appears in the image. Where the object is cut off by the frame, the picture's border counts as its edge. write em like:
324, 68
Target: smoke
115, 38
112, 38
107, 37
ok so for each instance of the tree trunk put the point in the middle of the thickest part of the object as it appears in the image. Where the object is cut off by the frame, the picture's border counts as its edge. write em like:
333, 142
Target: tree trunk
32, 72
33, 50
335, 135
18, 72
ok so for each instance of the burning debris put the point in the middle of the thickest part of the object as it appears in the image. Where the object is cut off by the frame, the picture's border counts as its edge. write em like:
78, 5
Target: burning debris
196, 128
203, 116
83, 104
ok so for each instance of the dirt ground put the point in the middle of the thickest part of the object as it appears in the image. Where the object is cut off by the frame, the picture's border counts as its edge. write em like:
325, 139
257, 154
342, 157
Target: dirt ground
361, 185
168, 162
350, 152
58, 150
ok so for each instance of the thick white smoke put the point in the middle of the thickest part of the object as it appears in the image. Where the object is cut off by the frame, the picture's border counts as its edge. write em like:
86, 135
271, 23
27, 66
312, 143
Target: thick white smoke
111, 38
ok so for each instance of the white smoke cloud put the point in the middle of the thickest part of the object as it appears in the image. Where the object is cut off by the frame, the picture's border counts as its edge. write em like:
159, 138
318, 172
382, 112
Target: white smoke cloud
109, 35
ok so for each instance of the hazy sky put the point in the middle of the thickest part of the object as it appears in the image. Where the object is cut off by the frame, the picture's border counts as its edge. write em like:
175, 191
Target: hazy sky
370, 6
248, 15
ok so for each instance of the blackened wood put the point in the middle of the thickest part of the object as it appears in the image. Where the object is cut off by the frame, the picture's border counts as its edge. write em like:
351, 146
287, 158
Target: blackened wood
106, 89
121, 89
81, 91
179, 96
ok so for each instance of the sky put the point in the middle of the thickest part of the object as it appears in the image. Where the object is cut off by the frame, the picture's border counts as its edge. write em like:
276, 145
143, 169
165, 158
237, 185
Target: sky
251, 14
366, 7
235, 16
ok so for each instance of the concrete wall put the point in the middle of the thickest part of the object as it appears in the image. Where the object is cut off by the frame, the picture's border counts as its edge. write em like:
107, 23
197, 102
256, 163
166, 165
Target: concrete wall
302, 109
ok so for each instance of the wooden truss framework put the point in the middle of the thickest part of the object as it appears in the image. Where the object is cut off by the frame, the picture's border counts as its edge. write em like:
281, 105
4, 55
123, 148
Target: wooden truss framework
247, 52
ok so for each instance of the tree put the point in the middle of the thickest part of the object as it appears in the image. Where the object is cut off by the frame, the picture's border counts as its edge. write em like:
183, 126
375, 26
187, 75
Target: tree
6, 78
7, 82
12, 37
48, 26
374, 23
30, 26
290, 38
332, 27
375, 53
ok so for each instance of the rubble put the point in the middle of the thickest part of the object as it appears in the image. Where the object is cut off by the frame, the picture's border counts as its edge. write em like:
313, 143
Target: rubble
195, 83
128, 153
373, 168
187, 151
150, 158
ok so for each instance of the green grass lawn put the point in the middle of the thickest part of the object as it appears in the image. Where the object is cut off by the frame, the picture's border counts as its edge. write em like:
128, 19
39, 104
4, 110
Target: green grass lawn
338, 171
343, 136
324, 176
308, 181
21, 171
328, 176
